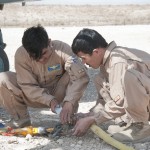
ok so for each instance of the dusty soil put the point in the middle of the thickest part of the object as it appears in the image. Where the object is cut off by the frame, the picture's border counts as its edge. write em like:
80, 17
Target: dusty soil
67, 15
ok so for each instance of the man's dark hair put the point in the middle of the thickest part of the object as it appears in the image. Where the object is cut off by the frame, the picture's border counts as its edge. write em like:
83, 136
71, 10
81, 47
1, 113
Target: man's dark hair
34, 40
87, 40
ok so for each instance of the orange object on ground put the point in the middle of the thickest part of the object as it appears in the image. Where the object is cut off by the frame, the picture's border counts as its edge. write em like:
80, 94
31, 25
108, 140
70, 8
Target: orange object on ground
24, 131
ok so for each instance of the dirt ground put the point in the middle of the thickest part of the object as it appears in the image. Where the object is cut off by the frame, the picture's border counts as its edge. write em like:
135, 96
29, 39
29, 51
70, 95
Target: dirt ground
17, 16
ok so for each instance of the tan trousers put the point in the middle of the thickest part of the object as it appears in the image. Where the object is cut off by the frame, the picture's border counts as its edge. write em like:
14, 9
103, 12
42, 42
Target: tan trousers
14, 100
136, 106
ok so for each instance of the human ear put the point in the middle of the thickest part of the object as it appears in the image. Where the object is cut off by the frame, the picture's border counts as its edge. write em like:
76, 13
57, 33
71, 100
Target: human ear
96, 50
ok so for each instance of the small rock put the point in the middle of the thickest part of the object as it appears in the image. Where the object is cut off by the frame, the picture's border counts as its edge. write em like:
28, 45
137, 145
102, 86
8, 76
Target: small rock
78, 146
28, 137
80, 142
60, 141
22, 141
140, 146
13, 142
72, 145
97, 139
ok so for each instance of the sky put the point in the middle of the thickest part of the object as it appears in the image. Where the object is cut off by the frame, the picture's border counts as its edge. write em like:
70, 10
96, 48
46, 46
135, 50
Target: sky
93, 2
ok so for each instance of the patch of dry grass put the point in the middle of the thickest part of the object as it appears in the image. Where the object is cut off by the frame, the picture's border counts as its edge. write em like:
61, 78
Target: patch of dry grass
68, 15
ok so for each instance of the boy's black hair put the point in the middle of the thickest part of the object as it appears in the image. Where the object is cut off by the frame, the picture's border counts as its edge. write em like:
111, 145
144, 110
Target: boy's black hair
87, 40
34, 40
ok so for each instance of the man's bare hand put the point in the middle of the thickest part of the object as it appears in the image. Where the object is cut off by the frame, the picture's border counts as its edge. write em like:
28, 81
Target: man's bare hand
66, 113
82, 126
53, 104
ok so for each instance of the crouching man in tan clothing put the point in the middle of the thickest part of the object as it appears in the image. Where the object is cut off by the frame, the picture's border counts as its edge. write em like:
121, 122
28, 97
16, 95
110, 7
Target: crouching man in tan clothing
123, 86
47, 74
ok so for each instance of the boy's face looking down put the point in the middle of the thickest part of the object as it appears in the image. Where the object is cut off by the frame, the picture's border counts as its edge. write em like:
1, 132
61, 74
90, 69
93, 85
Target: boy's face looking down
46, 52
94, 60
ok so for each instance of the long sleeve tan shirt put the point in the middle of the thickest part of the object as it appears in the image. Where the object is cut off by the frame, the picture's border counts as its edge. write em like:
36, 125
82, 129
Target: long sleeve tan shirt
36, 79
117, 60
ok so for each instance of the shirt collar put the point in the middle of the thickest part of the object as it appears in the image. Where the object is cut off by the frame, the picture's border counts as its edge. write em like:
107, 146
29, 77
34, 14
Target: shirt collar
110, 47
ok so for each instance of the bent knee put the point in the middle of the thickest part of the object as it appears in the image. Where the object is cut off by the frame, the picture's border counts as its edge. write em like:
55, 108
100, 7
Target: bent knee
5, 77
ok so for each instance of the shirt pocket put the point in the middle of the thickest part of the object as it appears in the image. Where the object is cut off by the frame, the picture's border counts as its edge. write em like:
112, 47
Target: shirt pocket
52, 74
